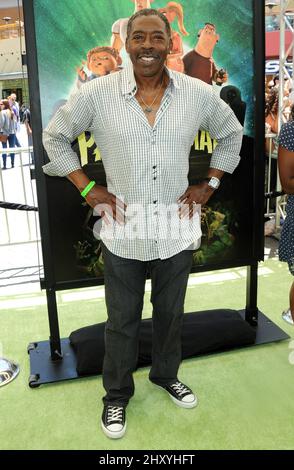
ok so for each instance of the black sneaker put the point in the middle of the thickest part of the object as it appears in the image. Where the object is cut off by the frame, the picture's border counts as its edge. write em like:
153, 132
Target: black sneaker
181, 395
113, 421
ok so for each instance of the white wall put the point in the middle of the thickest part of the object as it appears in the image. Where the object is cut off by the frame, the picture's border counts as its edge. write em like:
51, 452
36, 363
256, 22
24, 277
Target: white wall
10, 55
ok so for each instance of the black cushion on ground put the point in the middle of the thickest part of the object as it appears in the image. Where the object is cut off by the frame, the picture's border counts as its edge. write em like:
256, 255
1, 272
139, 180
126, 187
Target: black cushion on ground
202, 333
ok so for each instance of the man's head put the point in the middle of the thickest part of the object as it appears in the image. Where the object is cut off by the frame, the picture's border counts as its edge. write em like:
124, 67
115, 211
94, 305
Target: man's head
103, 60
148, 41
141, 4
13, 97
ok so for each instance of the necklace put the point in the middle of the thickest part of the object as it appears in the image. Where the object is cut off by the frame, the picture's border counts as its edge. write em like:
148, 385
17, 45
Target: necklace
148, 107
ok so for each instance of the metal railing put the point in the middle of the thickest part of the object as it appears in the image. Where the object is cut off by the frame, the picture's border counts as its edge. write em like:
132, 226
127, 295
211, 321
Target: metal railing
18, 186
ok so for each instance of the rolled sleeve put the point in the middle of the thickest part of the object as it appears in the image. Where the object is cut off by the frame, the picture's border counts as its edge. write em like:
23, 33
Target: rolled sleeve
223, 126
67, 124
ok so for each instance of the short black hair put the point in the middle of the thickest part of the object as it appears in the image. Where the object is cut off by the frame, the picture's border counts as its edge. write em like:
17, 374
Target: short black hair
149, 12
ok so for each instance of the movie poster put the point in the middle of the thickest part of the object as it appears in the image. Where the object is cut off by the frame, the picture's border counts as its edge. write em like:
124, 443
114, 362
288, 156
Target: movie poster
78, 41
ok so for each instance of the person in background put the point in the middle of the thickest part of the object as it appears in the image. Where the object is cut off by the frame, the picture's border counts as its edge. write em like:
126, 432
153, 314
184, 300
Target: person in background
8, 127
286, 170
272, 110
15, 109
28, 123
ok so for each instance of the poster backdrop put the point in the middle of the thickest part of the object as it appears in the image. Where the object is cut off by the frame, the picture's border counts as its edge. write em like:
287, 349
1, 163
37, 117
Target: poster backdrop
78, 41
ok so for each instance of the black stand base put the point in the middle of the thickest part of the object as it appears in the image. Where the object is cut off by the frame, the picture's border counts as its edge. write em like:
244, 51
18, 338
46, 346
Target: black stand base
44, 370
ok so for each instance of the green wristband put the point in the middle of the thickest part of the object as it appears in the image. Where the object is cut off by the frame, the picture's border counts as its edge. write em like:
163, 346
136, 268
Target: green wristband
88, 188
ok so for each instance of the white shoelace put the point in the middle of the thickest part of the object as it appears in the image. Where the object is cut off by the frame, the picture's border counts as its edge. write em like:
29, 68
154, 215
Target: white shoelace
114, 413
181, 389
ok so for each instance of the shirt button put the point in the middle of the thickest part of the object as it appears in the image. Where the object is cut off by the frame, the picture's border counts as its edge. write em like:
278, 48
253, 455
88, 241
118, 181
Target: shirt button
154, 178
154, 202
154, 167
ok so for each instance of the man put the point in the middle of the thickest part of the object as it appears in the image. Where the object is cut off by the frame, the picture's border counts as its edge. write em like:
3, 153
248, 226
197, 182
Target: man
144, 120
119, 27
199, 62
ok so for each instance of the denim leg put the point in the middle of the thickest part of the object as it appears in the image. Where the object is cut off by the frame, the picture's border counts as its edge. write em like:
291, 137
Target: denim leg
169, 283
4, 155
11, 140
124, 294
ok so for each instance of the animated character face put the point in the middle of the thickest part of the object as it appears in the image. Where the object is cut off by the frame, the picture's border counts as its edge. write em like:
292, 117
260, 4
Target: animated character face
141, 4
208, 35
101, 63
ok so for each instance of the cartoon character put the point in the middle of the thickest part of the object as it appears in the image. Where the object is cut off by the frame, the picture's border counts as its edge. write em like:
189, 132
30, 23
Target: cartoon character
199, 62
100, 61
119, 27
174, 10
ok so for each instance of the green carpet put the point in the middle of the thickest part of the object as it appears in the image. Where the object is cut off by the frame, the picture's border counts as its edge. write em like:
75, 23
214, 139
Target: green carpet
245, 396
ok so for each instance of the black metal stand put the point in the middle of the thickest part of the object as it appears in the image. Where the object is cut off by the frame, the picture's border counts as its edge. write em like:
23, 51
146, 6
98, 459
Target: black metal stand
55, 346
55, 361
251, 315
45, 370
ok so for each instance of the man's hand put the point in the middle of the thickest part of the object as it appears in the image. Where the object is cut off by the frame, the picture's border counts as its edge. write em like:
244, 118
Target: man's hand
107, 205
198, 194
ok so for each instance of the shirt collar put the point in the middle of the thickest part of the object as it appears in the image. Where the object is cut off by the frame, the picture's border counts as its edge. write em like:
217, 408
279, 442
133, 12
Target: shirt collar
128, 82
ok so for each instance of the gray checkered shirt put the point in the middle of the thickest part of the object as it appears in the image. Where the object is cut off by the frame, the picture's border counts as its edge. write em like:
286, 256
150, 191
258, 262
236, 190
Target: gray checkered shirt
145, 166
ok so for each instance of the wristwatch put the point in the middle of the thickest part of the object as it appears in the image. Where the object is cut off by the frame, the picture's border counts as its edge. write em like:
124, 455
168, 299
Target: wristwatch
213, 182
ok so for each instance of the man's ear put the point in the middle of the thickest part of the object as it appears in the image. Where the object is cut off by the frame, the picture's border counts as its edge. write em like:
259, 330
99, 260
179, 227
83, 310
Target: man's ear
127, 45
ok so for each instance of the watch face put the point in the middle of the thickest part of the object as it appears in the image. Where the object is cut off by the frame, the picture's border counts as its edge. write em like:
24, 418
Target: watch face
214, 182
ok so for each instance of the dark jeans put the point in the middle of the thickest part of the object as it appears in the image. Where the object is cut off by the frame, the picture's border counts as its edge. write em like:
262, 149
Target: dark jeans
124, 292
11, 140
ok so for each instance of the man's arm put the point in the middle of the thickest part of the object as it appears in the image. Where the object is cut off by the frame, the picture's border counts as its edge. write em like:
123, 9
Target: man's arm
221, 123
68, 123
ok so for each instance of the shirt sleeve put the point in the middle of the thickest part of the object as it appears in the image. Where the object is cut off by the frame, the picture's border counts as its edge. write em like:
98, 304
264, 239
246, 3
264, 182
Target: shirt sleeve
67, 124
286, 137
223, 126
